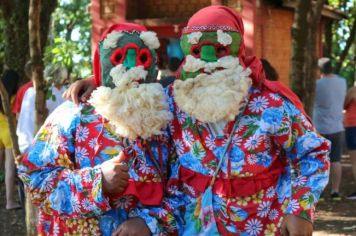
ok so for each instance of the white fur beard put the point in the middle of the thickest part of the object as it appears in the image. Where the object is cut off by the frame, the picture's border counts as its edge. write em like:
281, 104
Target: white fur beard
134, 111
213, 98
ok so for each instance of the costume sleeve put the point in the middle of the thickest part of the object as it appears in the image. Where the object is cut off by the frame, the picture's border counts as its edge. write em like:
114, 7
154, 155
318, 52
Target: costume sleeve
167, 218
307, 156
49, 173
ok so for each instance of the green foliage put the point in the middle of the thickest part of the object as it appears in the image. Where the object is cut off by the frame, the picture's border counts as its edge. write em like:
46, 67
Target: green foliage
341, 32
71, 34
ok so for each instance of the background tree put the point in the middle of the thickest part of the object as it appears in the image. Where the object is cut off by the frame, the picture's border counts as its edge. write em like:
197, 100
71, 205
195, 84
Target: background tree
344, 40
15, 34
71, 32
14, 48
303, 58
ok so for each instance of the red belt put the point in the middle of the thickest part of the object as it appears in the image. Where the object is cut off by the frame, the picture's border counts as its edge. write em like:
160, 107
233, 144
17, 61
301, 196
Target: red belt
237, 187
148, 193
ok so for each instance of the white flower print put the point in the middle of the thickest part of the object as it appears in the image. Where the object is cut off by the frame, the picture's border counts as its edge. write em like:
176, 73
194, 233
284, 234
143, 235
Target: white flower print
293, 206
275, 96
171, 127
253, 227
81, 153
210, 142
187, 137
75, 203
144, 168
305, 121
68, 177
63, 144
253, 142
273, 214
270, 192
236, 140
81, 134
173, 190
92, 143
263, 209
55, 229
162, 212
258, 104
181, 116
299, 181
87, 177
252, 159
123, 202
87, 205
189, 189
179, 147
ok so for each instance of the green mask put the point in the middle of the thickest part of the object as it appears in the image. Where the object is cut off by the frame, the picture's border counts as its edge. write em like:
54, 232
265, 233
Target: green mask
129, 50
208, 48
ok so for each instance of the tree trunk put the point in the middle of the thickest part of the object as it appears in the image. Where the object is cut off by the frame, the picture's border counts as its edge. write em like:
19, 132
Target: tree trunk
15, 16
299, 40
303, 71
36, 58
40, 102
311, 57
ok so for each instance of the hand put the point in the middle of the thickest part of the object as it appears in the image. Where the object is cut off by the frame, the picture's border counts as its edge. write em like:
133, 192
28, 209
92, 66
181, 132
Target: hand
115, 174
81, 88
133, 227
296, 226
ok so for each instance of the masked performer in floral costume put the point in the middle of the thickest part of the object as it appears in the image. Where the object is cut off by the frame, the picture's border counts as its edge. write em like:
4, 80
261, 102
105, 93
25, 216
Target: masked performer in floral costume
101, 165
248, 157
249, 160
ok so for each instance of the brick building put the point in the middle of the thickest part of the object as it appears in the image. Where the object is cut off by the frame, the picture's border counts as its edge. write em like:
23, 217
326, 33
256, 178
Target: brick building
267, 23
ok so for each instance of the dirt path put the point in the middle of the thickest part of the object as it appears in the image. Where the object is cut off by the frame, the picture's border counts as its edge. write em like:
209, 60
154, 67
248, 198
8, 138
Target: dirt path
332, 218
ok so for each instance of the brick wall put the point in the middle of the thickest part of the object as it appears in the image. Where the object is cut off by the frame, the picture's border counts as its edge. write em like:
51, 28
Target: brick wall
141, 9
273, 39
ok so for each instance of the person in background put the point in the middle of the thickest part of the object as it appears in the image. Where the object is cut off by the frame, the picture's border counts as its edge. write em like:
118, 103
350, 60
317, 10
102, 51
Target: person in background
16, 107
25, 129
10, 80
350, 132
328, 117
173, 65
270, 71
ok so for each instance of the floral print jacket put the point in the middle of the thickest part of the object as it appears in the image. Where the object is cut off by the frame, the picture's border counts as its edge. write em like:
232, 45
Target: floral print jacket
277, 164
61, 172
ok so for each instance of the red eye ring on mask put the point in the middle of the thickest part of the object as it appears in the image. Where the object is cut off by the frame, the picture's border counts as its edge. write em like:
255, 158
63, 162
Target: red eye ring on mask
195, 50
117, 57
144, 58
220, 50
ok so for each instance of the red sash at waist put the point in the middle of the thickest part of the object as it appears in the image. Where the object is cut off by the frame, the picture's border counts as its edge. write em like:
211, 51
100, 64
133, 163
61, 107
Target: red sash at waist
238, 187
148, 193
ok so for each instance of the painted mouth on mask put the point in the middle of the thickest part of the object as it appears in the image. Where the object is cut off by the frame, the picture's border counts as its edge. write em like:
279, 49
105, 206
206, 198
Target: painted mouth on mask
209, 71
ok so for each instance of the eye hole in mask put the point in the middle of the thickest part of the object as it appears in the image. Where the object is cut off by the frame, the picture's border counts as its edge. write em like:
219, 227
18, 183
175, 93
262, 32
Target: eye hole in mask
117, 57
144, 58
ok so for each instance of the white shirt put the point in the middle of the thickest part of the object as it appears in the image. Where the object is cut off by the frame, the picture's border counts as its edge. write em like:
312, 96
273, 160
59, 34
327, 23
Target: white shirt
26, 124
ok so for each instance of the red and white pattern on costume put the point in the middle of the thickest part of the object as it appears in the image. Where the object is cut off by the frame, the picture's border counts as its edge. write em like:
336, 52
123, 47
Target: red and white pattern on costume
62, 174
277, 165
